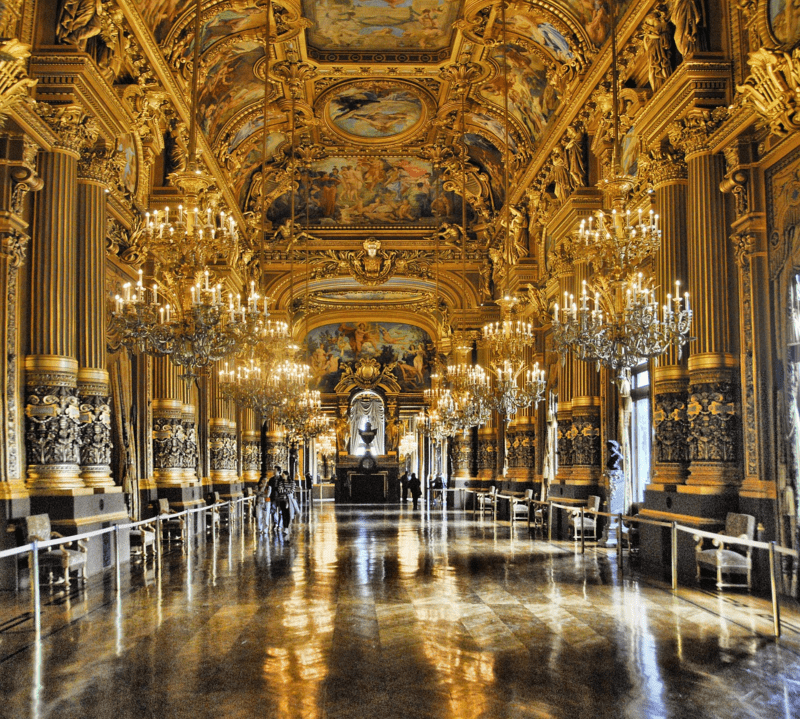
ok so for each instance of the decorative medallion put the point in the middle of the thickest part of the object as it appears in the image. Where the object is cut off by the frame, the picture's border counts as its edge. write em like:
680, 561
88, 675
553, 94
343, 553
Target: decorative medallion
375, 112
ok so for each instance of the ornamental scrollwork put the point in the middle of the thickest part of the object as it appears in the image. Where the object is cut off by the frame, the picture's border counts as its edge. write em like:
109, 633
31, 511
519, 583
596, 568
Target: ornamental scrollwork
773, 89
14, 81
169, 443
586, 441
712, 419
223, 450
53, 426
95, 432
671, 426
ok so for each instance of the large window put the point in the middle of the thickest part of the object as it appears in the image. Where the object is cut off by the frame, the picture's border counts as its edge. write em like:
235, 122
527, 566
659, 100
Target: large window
641, 430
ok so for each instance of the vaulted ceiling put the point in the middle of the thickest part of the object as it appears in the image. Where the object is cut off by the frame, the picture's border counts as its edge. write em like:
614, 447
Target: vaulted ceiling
376, 91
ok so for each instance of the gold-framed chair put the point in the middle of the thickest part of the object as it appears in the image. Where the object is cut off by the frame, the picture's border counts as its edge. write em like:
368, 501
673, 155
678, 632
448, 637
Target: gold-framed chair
539, 517
37, 528
589, 526
144, 536
174, 528
738, 560
487, 501
521, 506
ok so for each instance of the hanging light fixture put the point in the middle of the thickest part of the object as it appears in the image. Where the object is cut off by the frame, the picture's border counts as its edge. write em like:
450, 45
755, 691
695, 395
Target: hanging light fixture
616, 321
197, 324
515, 385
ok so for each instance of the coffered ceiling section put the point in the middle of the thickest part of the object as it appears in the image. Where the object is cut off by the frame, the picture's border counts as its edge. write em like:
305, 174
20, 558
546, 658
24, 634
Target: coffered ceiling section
374, 96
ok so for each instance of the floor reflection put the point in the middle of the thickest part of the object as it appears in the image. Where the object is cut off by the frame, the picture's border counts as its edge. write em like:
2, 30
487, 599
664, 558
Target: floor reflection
387, 612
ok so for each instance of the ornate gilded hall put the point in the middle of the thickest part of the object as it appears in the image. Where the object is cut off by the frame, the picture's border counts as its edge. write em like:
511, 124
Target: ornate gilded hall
535, 252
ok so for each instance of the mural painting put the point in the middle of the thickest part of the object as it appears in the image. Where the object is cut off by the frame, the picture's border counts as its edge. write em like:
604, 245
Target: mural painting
230, 85
784, 20
221, 25
532, 100
630, 153
160, 15
369, 296
490, 160
494, 126
248, 186
369, 191
377, 113
130, 170
331, 348
536, 28
375, 25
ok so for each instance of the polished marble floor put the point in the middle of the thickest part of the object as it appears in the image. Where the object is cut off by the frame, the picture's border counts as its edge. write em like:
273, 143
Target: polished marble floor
372, 612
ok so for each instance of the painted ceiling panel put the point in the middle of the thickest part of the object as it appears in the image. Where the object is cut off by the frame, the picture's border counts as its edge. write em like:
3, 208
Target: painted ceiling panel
380, 25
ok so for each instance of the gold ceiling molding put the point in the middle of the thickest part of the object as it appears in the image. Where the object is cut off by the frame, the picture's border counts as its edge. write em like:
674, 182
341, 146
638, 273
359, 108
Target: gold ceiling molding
773, 89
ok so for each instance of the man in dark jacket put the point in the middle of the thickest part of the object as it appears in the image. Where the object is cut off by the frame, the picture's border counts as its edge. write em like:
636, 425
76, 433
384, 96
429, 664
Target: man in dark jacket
404, 487
415, 487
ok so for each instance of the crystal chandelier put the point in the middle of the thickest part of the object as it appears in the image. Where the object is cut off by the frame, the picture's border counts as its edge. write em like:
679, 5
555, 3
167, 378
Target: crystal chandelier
616, 321
515, 385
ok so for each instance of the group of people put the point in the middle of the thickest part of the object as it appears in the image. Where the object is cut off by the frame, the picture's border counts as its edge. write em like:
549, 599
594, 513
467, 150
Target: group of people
276, 505
410, 484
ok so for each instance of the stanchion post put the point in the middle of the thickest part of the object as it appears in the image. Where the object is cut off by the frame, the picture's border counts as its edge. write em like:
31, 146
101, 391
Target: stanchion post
118, 559
583, 534
549, 521
674, 556
36, 589
159, 539
776, 606
620, 563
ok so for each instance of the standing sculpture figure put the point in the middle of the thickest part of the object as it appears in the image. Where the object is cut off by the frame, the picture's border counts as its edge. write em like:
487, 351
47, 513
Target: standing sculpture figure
573, 148
688, 17
655, 37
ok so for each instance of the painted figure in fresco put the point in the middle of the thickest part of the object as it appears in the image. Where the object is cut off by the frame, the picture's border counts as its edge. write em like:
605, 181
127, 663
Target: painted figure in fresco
600, 24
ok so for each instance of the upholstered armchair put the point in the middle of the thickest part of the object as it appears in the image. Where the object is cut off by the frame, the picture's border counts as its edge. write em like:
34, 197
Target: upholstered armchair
171, 528
521, 507
539, 516
589, 520
737, 560
66, 557
145, 536
486, 500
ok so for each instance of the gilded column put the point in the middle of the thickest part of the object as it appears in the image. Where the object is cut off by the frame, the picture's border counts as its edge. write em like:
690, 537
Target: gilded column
189, 424
95, 173
17, 177
251, 448
169, 439
671, 375
563, 384
713, 410
53, 427
586, 453
221, 437
487, 435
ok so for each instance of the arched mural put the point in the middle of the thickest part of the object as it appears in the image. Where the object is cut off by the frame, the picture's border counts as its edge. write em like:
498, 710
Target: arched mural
331, 348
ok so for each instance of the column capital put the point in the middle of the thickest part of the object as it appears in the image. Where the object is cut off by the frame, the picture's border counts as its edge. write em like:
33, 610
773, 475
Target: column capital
74, 128
101, 165
744, 244
692, 133
666, 166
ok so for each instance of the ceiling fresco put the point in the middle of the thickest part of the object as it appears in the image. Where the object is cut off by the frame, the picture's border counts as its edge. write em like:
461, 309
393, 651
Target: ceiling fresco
531, 99
369, 191
376, 26
375, 111
332, 348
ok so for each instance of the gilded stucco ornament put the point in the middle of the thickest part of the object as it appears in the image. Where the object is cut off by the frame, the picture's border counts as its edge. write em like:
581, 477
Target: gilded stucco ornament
14, 81
773, 89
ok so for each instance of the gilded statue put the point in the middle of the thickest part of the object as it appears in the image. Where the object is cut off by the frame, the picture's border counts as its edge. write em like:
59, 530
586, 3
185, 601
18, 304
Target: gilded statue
573, 148
559, 175
78, 21
655, 38
688, 17
342, 430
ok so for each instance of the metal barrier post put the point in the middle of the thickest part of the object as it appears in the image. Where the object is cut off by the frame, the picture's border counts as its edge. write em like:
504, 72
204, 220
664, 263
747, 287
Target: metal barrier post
619, 543
36, 593
159, 540
549, 521
583, 535
674, 556
776, 607
118, 558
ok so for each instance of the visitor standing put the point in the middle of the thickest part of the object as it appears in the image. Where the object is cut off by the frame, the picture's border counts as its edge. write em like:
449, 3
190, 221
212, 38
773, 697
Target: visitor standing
262, 506
404, 487
415, 487
273, 504
285, 489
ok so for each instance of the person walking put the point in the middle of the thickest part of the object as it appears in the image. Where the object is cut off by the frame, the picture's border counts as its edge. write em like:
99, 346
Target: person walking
404, 486
285, 490
273, 498
262, 506
415, 487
